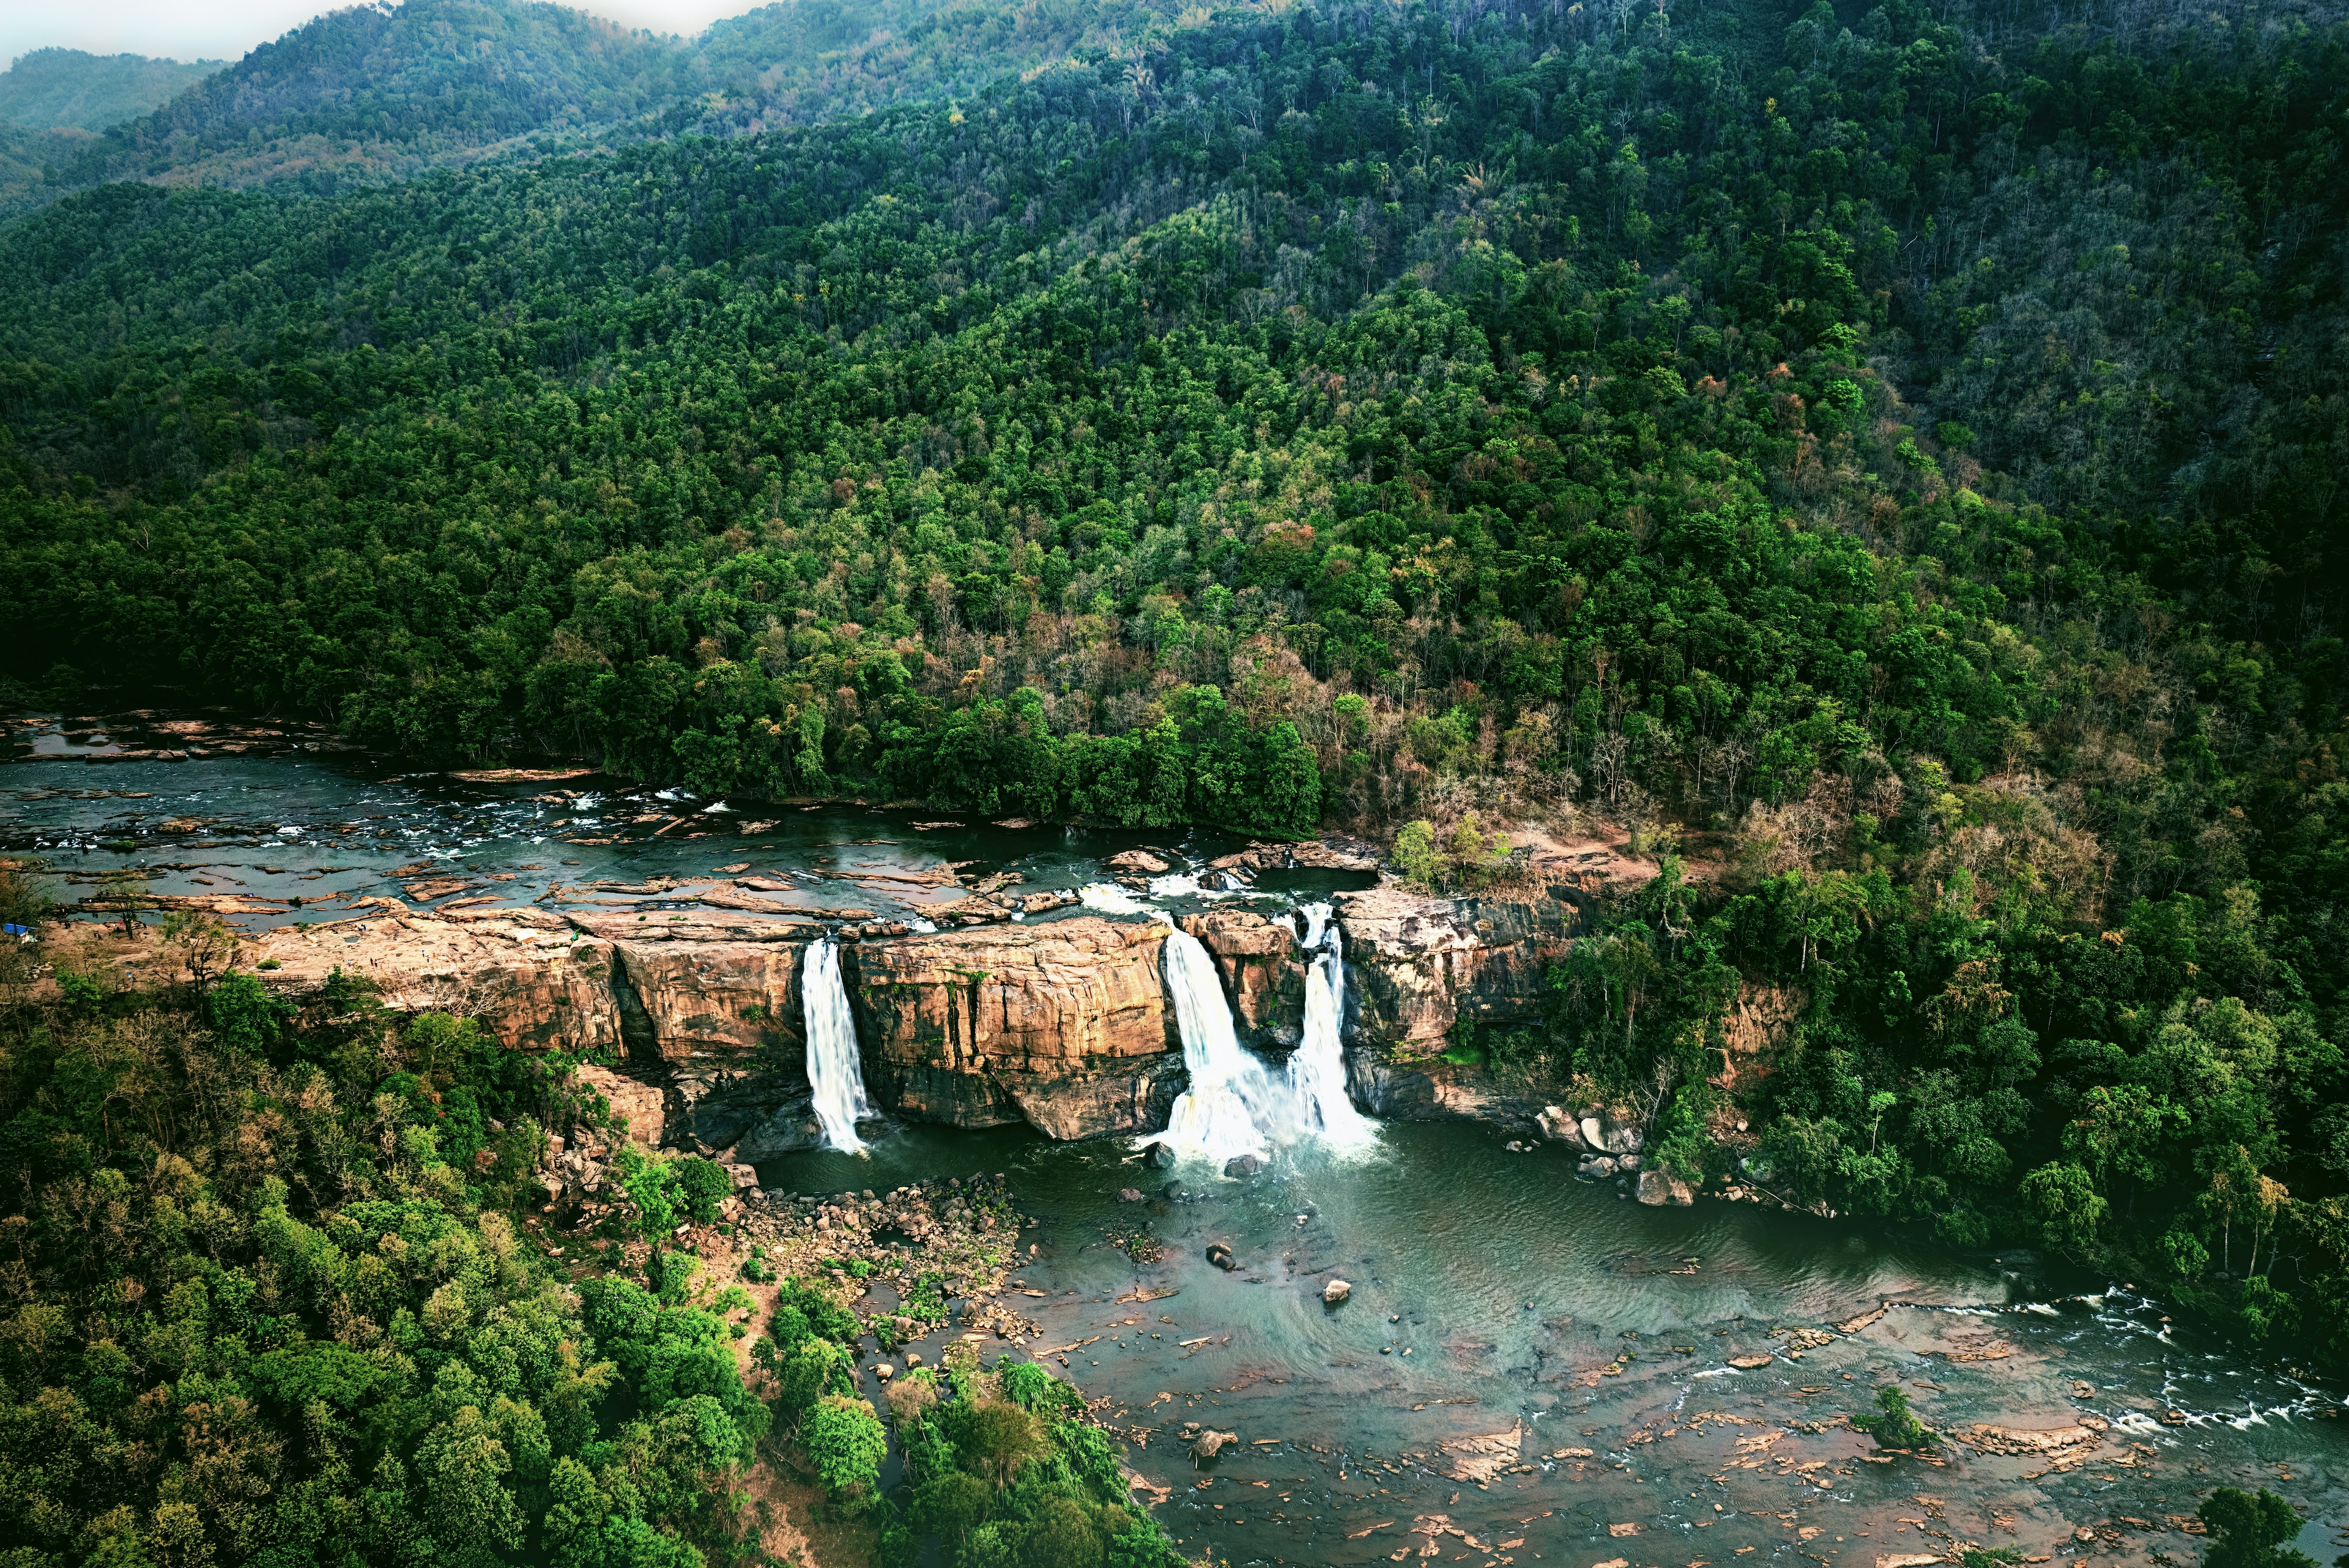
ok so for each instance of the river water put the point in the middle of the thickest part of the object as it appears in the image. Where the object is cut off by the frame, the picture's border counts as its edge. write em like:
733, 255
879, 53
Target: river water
295, 828
1528, 1367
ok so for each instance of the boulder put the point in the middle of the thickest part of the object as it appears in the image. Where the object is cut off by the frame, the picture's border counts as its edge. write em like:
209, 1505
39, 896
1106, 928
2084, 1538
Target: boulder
1659, 1188
639, 1102
1559, 1128
1336, 1290
1138, 863
1158, 1156
1602, 1167
1335, 853
1626, 1162
743, 1176
1243, 1165
1129, 1195
1208, 1445
1594, 1135
1221, 1256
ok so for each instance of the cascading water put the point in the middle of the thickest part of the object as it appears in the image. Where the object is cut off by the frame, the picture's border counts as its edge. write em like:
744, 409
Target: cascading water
1316, 1072
1223, 1113
834, 1068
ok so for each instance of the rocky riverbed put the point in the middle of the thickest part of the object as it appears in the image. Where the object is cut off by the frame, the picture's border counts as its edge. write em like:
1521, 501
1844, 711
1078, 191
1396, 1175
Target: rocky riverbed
1523, 1371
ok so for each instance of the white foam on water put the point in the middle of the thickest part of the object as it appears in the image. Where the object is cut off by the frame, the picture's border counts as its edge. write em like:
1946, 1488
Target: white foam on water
1223, 1113
835, 1068
1316, 1072
1111, 900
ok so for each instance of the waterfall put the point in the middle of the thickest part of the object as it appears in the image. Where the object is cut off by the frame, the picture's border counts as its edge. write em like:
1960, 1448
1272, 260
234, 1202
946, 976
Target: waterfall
834, 1067
1221, 1115
1316, 1072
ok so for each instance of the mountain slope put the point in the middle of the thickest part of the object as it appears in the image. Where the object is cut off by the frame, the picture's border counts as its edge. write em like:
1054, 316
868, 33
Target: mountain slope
1891, 466
378, 92
56, 88
372, 92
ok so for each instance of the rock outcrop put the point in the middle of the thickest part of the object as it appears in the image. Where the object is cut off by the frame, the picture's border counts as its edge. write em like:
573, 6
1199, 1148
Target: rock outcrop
725, 1020
1263, 971
1063, 1025
1061, 1022
1658, 1187
1417, 966
1335, 853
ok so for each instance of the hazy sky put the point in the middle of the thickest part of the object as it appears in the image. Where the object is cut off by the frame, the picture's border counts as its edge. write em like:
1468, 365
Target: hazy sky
226, 29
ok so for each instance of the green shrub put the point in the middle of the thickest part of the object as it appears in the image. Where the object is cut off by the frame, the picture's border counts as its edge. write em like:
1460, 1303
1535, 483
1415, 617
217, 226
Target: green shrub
847, 1444
1894, 1426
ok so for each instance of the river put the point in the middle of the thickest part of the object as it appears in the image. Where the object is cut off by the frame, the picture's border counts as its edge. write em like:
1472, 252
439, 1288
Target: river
1528, 1367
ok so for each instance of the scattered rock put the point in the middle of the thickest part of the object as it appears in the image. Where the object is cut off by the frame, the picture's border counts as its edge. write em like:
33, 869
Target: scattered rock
1336, 1290
1243, 1165
1660, 1187
743, 1176
1221, 1256
1208, 1445
1748, 1362
1138, 862
1129, 1195
1559, 1128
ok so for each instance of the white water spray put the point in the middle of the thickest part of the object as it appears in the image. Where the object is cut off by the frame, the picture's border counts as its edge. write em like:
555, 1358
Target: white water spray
1316, 1072
1222, 1112
834, 1066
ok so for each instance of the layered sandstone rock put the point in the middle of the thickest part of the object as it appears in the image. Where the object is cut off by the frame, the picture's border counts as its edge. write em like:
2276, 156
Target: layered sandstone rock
726, 1020
530, 977
1064, 1025
1263, 972
1416, 966
1335, 853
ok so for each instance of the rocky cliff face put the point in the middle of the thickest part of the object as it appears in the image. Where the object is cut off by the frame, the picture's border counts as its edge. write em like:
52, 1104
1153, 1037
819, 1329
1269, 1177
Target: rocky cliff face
1063, 1025
1263, 971
1416, 967
723, 1021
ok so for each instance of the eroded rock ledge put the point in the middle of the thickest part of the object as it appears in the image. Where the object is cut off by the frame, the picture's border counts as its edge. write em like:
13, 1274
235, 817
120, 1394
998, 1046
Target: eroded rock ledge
1062, 1023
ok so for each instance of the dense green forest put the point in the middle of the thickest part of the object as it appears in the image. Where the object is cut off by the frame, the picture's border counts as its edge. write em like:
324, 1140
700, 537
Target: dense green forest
373, 92
273, 1292
1895, 451
268, 1298
52, 88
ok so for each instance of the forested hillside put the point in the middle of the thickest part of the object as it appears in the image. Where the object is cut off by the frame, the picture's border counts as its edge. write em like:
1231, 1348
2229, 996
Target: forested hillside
53, 88
1900, 444
372, 93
